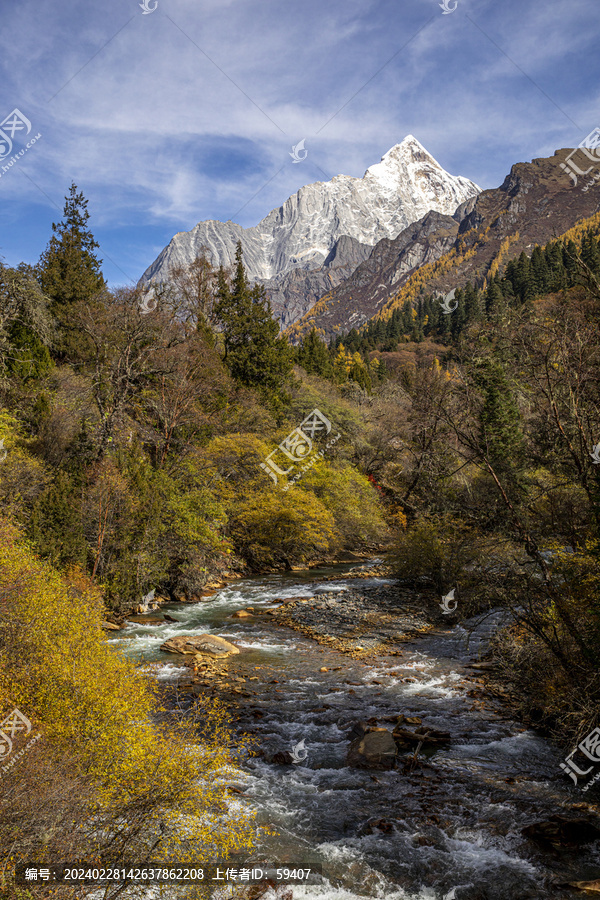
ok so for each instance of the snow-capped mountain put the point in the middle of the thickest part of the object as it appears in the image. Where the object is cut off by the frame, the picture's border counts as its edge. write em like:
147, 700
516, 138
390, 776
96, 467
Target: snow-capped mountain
301, 234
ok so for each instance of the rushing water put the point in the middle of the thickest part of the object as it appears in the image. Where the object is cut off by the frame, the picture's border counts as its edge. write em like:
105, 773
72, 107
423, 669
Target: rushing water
453, 824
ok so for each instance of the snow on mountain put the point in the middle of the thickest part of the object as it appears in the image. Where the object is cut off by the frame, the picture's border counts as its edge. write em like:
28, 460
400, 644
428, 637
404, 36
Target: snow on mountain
392, 194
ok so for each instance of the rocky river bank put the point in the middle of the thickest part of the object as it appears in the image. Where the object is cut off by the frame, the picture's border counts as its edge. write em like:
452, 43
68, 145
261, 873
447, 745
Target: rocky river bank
379, 750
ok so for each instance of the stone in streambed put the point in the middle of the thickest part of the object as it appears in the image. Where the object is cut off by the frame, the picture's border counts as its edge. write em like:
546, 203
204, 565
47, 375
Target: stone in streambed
590, 887
407, 720
208, 644
282, 758
429, 738
374, 825
375, 750
358, 730
146, 620
559, 831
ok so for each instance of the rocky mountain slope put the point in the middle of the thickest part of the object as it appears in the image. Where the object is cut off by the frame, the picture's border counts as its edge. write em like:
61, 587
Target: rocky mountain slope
536, 202
301, 250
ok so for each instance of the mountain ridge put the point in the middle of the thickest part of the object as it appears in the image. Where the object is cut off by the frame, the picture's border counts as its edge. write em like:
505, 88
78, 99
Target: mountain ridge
302, 233
535, 203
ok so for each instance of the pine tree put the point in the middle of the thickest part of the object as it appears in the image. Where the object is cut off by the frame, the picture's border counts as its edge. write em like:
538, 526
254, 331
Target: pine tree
590, 252
494, 299
570, 260
55, 525
69, 269
524, 286
471, 302
253, 351
313, 355
458, 317
539, 272
500, 424
26, 326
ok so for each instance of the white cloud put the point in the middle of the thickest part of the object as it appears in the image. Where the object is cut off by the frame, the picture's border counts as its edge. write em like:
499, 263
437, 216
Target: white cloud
155, 133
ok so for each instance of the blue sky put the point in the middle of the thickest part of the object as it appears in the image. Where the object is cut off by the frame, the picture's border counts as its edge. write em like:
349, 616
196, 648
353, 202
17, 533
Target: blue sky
190, 112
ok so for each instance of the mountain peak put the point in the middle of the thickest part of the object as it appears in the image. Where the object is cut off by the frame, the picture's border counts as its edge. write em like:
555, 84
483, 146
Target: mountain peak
302, 232
410, 144
397, 162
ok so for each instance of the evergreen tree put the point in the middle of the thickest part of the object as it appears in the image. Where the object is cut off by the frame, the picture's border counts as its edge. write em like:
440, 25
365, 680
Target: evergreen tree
69, 269
254, 353
553, 254
458, 317
540, 274
55, 524
26, 326
570, 260
313, 355
471, 303
523, 279
501, 434
494, 299
590, 252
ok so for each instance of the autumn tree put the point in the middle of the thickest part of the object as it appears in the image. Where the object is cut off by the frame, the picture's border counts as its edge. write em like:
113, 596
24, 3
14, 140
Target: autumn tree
194, 289
125, 350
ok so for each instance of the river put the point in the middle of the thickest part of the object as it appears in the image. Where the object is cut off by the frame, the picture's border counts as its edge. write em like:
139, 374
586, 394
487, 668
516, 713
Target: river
449, 829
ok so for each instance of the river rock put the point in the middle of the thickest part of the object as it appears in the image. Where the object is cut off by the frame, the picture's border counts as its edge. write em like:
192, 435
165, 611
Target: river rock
110, 626
560, 831
241, 614
374, 825
282, 758
428, 737
146, 620
209, 644
590, 887
408, 720
359, 729
375, 750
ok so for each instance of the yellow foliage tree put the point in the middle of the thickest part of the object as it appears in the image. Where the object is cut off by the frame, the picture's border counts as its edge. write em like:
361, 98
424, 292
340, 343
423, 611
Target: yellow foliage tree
273, 526
152, 792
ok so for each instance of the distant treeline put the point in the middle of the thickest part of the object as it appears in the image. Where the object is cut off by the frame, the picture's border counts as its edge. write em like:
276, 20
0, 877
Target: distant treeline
549, 269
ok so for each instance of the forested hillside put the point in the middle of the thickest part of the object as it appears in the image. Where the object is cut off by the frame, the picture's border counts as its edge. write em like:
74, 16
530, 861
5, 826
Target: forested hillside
488, 439
135, 425
133, 429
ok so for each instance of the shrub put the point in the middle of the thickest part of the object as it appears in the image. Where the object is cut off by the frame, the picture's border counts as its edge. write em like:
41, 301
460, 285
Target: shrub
129, 782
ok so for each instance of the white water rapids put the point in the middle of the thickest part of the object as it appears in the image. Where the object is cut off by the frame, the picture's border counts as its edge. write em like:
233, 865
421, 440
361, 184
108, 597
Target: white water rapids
453, 825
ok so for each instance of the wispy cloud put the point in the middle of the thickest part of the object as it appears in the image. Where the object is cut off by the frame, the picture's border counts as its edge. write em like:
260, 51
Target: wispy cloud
161, 134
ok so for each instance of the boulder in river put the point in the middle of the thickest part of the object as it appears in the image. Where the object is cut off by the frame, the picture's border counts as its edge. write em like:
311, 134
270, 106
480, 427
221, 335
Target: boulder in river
562, 832
359, 729
146, 620
375, 750
408, 720
374, 825
209, 644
